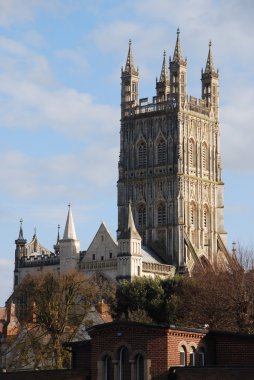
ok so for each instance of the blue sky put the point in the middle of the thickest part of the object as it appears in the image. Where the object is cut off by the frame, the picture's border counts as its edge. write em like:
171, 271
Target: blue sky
59, 106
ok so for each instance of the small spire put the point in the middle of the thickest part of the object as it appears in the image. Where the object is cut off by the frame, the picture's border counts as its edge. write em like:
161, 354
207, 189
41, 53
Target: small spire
178, 54
130, 61
69, 231
131, 225
164, 71
209, 63
58, 234
21, 236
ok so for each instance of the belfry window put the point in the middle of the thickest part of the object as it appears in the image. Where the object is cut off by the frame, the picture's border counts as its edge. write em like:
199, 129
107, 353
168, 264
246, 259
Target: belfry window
161, 152
142, 216
161, 214
142, 154
205, 218
201, 357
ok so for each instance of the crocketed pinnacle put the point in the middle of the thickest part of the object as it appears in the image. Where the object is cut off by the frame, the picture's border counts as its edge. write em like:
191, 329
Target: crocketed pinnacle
129, 67
69, 231
21, 236
164, 71
209, 63
178, 54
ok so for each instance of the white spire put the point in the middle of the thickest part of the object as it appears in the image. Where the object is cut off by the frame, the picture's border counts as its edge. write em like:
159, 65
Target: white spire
69, 231
131, 225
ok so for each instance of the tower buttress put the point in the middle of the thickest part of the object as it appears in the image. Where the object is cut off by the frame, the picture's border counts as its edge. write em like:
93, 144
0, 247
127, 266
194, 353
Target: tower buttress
129, 83
163, 86
210, 83
178, 74
129, 257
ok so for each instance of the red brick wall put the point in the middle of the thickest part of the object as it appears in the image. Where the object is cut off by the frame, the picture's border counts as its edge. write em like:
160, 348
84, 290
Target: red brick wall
233, 350
148, 339
187, 339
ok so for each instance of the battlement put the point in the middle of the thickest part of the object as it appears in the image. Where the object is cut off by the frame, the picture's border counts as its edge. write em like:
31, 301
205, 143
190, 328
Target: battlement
159, 104
39, 260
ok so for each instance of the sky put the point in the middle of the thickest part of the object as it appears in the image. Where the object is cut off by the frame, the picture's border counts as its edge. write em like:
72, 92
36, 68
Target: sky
60, 64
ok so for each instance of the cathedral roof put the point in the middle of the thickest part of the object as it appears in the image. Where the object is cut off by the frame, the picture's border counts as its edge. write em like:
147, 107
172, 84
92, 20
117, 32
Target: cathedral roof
150, 256
69, 231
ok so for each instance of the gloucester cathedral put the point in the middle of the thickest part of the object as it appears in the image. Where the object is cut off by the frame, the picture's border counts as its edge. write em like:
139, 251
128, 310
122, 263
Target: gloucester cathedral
170, 189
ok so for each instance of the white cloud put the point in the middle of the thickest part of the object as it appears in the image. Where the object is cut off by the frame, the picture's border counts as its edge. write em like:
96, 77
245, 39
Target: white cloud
76, 57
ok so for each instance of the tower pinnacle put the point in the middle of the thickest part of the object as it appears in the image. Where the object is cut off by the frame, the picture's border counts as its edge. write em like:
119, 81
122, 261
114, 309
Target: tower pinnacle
164, 71
209, 63
69, 231
178, 54
129, 66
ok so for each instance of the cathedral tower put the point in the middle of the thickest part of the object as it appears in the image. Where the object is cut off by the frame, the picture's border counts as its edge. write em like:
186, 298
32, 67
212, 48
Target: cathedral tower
169, 165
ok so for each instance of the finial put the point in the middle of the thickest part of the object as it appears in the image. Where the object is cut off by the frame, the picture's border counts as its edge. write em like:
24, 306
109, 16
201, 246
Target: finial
178, 30
69, 205
210, 43
129, 42
164, 53
58, 227
21, 222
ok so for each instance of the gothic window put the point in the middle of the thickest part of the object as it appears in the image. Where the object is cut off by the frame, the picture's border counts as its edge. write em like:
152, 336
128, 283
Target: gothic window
139, 367
133, 87
142, 216
192, 357
204, 157
107, 369
161, 214
161, 152
182, 356
124, 364
142, 154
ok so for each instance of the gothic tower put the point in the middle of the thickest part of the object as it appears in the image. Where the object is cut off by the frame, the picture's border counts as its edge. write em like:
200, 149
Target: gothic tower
169, 165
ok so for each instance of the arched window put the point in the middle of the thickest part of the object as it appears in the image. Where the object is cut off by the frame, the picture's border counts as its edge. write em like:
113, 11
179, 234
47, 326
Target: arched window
124, 364
192, 357
142, 154
107, 370
142, 216
139, 367
182, 356
204, 157
201, 357
161, 152
161, 214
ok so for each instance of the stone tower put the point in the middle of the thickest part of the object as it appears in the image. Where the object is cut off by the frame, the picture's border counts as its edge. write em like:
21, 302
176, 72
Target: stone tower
169, 164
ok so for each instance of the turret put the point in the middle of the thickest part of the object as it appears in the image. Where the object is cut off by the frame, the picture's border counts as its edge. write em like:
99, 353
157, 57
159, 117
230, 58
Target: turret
162, 86
210, 83
178, 73
20, 245
20, 252
57, 245
129, 78
129, 257
69, 245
